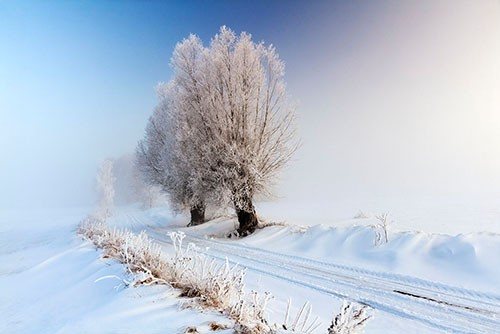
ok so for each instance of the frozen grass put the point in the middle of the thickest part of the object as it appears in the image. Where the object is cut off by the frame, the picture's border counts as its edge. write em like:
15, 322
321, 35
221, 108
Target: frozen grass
140, 256
219, 286
213, 285
350, 320
208, 282
301, 323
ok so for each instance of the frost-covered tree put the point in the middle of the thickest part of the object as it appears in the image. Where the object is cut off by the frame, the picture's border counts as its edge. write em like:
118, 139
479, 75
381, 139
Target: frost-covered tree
151, 196
105, 190
223, 128
163, 158
129, 184
187, 113
248, 131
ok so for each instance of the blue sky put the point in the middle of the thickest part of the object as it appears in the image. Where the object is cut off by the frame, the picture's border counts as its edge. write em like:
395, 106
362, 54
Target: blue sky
390, 94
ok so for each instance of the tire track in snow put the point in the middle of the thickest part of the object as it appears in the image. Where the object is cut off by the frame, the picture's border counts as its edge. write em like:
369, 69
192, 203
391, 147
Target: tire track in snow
474, 300
439, 306
378, 294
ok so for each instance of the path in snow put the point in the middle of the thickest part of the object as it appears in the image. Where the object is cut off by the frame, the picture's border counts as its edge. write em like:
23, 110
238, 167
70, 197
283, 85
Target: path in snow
439, 307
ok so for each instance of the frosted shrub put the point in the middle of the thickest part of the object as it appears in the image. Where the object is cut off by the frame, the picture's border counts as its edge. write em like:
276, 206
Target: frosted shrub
96, 230
217, 285
90, 226
249, 313
139, 254
382, 229
350, 320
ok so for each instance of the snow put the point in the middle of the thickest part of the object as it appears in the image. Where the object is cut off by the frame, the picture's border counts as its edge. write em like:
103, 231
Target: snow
52, 281
452, 214
462, 260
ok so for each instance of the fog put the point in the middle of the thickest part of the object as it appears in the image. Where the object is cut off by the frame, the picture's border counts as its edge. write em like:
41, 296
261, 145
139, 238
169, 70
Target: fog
395, 99
408, 104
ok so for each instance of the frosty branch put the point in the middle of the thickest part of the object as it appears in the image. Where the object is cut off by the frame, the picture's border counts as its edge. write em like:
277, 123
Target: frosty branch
223, 129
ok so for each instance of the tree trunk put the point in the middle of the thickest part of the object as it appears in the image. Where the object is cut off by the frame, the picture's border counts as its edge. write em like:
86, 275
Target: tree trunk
247, 218
197, 214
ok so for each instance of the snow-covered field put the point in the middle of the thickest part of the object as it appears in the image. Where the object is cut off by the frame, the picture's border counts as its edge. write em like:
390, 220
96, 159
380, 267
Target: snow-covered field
52, 281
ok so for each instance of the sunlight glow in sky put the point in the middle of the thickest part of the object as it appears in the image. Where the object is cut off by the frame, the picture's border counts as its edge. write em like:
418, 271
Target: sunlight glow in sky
394, 97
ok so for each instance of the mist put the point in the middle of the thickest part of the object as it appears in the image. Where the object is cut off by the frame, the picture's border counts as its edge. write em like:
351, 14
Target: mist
396, 100
408, 104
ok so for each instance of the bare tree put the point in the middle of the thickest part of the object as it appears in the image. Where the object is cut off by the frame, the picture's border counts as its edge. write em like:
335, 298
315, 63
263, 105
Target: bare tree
249, 127
223, 128
105, 190
170, 153
163, 162
187, 116
382, 228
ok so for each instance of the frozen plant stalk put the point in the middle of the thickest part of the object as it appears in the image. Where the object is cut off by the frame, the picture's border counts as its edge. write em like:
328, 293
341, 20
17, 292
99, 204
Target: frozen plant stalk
350, 320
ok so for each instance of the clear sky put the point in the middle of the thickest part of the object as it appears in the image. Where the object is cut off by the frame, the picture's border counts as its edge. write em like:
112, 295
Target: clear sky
395, 97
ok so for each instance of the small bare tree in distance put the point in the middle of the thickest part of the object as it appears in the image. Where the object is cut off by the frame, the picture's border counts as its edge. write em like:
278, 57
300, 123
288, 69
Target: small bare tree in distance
105, 189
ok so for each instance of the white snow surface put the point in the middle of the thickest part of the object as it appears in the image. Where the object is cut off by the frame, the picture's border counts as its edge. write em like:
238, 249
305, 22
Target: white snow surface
52, 281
